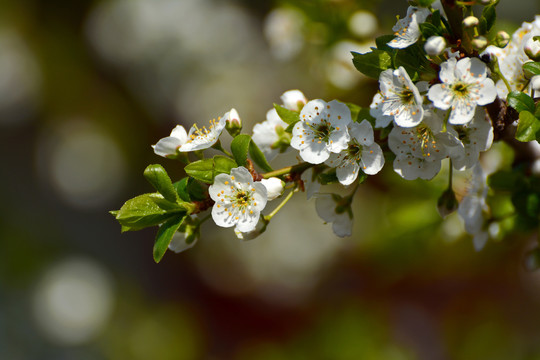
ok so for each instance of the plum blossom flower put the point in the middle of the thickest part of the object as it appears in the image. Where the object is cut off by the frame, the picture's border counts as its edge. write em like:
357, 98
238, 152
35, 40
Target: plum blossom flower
407, 30
375, 110
267, 134
471, 139
274, 187
311, 185
334, 209
293, 100
435, 45
169, 146
362, 154
464, 86
473, 209
238, 200
419, 150
401, 98
204, 138
322, 130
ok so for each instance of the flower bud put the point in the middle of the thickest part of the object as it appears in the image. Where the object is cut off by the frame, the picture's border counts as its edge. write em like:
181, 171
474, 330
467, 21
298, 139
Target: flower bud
470, 21
532, 49
435, 45
535, 82
447, 203
233, 122
293, 100
527, 72
274, 187
502, 39
479, 43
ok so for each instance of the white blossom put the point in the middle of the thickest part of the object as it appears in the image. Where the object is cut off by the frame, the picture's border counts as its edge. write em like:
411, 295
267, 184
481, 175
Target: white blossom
464, 86
274, 187
532, 49
204, 138
362, 154
419, 150
293, 100
407, 30
435, 45
266, 136
375, 110
472, 138
322, 130
311, 185
169, 146
473, 208
238, 200
330, 208
401, 98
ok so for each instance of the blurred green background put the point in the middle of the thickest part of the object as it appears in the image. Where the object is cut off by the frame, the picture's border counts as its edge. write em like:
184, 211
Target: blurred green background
87, 86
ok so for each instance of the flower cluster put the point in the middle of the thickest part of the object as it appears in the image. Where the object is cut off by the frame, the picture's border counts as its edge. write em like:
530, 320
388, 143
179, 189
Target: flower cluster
439, 97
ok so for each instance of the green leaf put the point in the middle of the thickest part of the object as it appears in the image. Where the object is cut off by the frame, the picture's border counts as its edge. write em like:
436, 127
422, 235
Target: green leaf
160, 180
196, 190
258, 157
505, 180
489, 15
528, 127
537, 112
531, 68
436, 20
290, 128
240, 147
181, 189
165, 234
144, 211
521, 102
382, 43
372, 63
428, 29
207, 169
414, 64
287, 115
223, 165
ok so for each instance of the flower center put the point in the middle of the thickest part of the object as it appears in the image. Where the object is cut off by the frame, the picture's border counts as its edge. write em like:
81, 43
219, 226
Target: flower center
407, 96
322, 131
427, 140
460, 89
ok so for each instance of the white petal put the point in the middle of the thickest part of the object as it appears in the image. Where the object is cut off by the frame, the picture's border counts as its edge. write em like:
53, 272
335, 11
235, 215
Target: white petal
292, 98
260, 197
447, 71
488, 93
338, 140
241, 175
247, 221
347, 172
274, 187
342, 225
178, 243
441, 96
326, 207
224, 215
372, 158
462, 112
167, 146
222, 182
315, 153
180, 133
362, 132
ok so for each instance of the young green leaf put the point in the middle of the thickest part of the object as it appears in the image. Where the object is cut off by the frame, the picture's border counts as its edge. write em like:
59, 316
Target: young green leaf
531, 68
240, 147
196, 190
207, 169
528, 127
159, 179
372, 63
521, 102
258, 157
165, 234
181, 189
287, 115
144, 211
428, 29
489, 15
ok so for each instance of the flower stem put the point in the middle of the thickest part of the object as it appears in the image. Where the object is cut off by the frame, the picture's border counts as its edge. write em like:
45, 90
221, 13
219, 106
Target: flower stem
276, 210
287, 170
218, 146
450, 175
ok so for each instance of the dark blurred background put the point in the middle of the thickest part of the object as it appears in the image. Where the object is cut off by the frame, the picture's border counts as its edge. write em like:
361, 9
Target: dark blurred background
87, 86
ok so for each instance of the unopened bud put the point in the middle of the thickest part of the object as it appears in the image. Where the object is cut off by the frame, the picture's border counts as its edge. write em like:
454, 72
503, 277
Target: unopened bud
233, 123
527, 72
447, 203
532, 49
535, 82
479, 43
470, 21
274, 187
293, 100
435, 45
502, 39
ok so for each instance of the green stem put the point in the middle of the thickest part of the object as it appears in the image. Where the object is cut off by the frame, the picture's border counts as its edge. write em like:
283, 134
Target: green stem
287, 170
276, 210
218, 146
450, 175
445, 122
